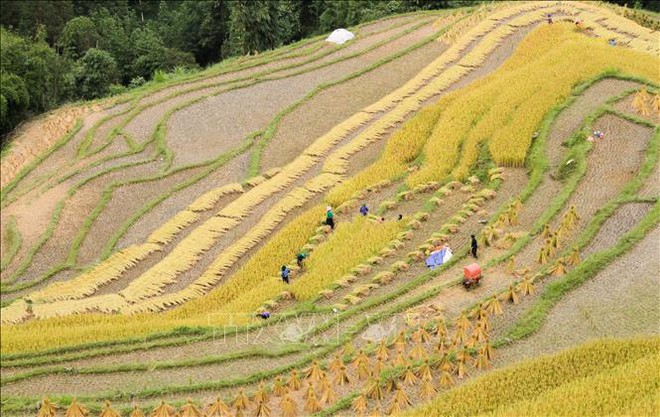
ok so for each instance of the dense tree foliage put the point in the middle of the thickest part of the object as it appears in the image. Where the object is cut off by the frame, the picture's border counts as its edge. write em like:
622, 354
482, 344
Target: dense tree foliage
57, 50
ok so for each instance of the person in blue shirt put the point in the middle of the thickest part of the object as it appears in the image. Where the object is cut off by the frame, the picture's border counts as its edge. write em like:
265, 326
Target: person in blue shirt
364, 210
285, 272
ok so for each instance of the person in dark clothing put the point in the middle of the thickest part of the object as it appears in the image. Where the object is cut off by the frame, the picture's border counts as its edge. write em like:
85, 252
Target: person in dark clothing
474, 247
300, 258
400, 217
285, 274
264, 315
364, 210
330, 217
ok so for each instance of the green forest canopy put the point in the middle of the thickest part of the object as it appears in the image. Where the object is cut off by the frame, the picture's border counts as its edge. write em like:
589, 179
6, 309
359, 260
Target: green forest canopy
53, 51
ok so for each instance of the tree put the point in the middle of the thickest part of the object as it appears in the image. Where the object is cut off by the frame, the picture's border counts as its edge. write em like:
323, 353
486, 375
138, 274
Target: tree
14, 100
253, 26
95, 73
79, 34
114, 38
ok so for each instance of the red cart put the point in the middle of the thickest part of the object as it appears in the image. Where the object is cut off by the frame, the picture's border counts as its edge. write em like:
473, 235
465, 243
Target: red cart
471, 276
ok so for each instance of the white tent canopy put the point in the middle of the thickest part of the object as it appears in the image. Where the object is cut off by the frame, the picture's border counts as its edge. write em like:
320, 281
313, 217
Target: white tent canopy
339, 36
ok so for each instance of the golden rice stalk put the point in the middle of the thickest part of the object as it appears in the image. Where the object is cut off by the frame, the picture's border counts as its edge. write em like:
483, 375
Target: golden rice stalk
323, 182
641, 99
348, 349
526, 286
382, 352
399, 402
335, 364
459, 336
415, 256
312, 404
241, 402
542, 257
409, 377
463, 322
262, 410
418, 352
254, 181
414, 224
490, 235
189, 410
314, 372
163, 410
427, 391
288, 406
208, 200
359, 404
424, 371
546, 231
76, 410
405, 235
558, 268
400, 266
574, 259
342, 378
446, 379
656, 103
363, 371
261, 395
375, 260
15, 312
387, 252
168, 231
88, 282
294, 381
400, 360
136, 412
374, 391
383, 277
482, 362
328, 394
278, 387
424, 336
108, 411
510, 265
461, 370
487, 350
512, 295
360, 358
421, 216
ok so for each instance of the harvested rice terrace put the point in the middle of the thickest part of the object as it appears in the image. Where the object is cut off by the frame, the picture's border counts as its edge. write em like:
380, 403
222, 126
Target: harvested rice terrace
154, 232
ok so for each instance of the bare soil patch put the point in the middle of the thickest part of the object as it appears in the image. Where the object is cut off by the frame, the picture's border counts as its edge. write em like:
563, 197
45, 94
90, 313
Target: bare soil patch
566, 124
206, 129
32, 219
616, 303
138, 381
329, 107
624, 219
625, 105
233, 171
76, 209
125, 200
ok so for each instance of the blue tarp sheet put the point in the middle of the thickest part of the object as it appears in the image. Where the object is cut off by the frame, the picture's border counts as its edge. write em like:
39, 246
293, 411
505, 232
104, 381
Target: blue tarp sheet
438, 257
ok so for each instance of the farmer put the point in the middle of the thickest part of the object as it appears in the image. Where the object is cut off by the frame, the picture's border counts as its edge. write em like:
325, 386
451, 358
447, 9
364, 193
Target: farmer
400, 217
364, 210
550, 18
474, 246
300, 257
285, 274
329, 217
264, 315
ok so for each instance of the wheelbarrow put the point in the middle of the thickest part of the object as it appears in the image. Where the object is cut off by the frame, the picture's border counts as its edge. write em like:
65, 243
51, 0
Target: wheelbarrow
471, 276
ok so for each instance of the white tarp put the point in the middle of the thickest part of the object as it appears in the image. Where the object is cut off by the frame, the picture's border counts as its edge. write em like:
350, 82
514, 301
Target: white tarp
339, 36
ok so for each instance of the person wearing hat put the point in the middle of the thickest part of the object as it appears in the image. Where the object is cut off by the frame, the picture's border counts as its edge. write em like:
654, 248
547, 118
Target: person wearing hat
364, 210
329, 217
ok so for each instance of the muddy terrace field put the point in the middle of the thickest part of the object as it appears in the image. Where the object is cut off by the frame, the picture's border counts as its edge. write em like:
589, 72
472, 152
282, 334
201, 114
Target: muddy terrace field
139, 245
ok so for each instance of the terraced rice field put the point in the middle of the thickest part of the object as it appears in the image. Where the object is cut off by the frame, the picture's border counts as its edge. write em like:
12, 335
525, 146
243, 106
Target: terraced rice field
141, 240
